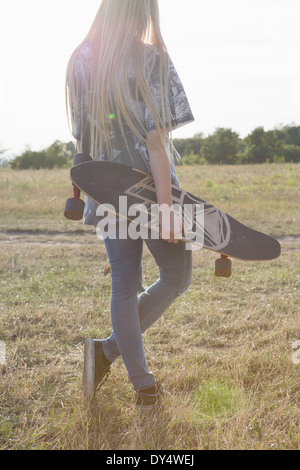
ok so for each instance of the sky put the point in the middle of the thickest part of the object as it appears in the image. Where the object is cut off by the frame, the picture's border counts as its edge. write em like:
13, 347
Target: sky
238, 61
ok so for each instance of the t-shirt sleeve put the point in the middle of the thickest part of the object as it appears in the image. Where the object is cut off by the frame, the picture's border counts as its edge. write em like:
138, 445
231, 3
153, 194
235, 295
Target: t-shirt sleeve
79, 106
179, 107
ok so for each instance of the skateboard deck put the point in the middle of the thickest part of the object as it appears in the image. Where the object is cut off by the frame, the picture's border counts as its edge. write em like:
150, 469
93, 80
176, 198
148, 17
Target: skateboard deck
105, 182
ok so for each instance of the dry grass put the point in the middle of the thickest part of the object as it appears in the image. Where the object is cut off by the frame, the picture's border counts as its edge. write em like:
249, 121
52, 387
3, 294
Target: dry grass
223, 351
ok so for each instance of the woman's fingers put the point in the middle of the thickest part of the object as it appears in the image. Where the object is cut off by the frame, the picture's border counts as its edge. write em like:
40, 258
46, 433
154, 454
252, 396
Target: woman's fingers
171, 225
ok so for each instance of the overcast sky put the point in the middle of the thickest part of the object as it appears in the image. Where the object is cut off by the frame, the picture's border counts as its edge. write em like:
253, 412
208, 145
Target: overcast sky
238, 60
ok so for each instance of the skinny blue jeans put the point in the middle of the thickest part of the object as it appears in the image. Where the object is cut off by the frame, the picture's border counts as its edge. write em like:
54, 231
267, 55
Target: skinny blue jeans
133, 308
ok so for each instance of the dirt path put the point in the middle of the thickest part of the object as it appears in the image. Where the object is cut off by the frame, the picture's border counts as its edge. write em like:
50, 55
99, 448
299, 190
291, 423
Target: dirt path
44, 237
53, 238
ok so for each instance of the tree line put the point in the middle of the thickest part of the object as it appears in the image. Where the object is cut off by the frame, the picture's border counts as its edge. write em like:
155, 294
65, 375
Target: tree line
224, 146
58, 155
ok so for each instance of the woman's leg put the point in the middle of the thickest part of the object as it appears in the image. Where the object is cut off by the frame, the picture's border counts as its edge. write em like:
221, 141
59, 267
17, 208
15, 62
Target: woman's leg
175, 265
126, 274
131, 316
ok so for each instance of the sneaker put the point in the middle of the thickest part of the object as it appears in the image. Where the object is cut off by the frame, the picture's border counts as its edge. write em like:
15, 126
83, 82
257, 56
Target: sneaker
96, 368
150, 397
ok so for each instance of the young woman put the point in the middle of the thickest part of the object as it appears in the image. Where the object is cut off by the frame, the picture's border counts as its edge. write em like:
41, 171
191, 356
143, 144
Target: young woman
124, 97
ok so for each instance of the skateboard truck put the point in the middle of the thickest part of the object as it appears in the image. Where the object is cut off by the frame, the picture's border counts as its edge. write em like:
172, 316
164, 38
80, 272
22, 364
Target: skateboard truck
223, 267
75, 206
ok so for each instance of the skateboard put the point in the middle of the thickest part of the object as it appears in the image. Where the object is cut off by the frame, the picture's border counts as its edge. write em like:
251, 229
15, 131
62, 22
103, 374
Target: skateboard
209, 227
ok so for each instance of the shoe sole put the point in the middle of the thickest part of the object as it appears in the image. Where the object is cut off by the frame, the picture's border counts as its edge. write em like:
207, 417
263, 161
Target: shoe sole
88, 377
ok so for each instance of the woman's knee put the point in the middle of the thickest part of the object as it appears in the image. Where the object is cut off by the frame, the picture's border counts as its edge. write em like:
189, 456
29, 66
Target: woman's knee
126, 284
180, 279
185, 282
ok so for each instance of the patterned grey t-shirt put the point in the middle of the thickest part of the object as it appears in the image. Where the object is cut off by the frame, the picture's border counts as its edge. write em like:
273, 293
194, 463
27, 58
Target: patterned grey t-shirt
180, 114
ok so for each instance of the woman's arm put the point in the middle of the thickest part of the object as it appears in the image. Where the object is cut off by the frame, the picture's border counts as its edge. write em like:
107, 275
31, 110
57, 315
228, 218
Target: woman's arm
171, 226
160, 167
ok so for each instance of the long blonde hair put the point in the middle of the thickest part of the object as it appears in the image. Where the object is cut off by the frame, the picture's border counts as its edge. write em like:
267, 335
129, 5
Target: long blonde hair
118, 36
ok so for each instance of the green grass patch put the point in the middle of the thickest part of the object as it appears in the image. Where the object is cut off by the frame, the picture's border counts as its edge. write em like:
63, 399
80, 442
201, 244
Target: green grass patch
216, 398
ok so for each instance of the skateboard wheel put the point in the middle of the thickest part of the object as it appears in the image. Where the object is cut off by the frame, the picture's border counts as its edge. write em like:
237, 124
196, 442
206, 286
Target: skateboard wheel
81, 158
223, 267
74, 208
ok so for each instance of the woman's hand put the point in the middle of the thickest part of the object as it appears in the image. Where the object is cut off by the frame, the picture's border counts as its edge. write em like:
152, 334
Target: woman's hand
171, 227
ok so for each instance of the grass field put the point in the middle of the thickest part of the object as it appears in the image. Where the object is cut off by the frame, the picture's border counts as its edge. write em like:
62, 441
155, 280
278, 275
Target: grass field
223, 351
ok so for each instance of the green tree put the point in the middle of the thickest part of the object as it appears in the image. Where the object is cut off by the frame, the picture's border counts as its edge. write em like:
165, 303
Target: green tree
189, 146
28, 159
192, 159
57, 155
262, 146
289, 135
222, 147
291, 153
